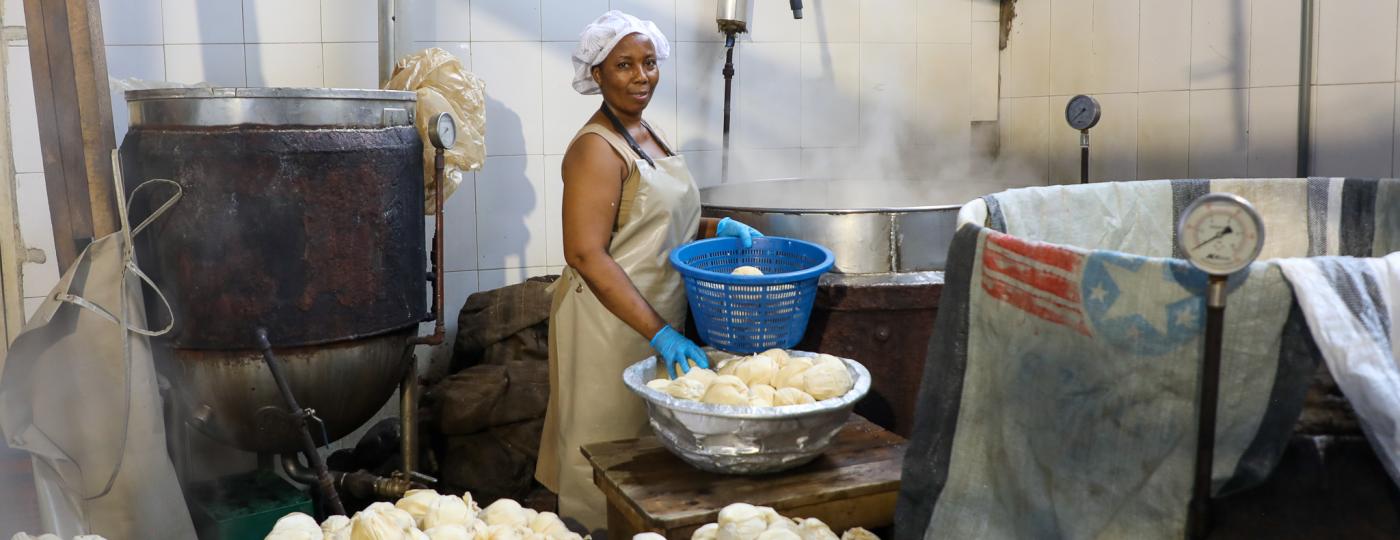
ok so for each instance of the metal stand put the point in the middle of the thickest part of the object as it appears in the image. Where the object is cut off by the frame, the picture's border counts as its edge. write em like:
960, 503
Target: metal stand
1198, 514
408, 389
299, 416
1083, 156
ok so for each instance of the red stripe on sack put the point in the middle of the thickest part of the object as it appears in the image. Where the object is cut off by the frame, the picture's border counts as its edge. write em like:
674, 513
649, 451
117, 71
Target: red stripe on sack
1029, 303
1026, 273
1055, 256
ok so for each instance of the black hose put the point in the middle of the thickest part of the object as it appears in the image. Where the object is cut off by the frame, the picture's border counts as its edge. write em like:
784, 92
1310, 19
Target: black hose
323, 477
796, 8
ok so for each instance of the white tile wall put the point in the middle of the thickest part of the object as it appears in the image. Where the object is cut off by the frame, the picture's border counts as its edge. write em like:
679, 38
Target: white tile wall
1356, 41
24, 118
1274, 43
1354, 130
567, 17
1071, 45
442, 20
985, 71
1219, 147
1219, 44
349, 21
1273, 132
495, 279
216, 64
772, 21
201, 21
888, 78
943, 21
942, 69
1115, 48
511, 230
830, 109
986, 10
1164, 44
566, 109
282, 21
460, 238
887, 21
131, 22
554, 209
351, 65
33, 204
1163, 139
14, 13
514, 103
505, 20
699, 116
1114, 142
831, 21
663, 13
768, 98
1026, 135
284, 64
1029, 47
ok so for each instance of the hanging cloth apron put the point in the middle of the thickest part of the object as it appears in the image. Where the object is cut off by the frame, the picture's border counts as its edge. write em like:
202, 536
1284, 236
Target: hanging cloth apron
79, 392
589, 346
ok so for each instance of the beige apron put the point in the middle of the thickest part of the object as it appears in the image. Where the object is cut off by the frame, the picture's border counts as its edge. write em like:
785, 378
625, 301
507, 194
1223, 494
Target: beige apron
589, 346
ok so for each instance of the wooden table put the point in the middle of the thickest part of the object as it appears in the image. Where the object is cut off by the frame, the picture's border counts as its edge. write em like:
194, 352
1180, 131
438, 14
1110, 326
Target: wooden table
854, 484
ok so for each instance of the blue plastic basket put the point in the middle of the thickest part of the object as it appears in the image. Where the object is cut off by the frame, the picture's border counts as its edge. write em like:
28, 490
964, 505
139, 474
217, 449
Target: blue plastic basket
749, 314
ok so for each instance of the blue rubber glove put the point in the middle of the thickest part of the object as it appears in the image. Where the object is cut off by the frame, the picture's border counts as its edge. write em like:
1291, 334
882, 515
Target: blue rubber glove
745, 233
674, 348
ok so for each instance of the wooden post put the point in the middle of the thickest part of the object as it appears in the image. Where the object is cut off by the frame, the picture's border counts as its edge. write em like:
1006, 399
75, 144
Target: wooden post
75, 120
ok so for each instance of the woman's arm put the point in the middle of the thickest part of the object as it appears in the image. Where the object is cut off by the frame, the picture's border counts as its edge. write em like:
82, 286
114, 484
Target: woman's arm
593, 175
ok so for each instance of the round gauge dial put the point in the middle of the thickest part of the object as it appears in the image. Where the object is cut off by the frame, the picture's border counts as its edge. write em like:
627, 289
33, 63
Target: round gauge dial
443, 131
1082, 112
1220, 233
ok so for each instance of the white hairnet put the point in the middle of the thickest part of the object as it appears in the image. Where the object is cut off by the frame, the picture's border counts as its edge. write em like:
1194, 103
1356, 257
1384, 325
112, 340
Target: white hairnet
599, 38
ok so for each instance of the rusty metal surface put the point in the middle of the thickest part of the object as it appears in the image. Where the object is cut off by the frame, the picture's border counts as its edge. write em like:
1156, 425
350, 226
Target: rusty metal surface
884, 322
233, 398
315, 234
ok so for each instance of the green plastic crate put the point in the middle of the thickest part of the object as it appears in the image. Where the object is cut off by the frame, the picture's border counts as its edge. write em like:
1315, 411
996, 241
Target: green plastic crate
244, 507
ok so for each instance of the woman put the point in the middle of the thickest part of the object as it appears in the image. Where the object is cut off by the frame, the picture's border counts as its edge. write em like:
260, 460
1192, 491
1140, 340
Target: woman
628, 201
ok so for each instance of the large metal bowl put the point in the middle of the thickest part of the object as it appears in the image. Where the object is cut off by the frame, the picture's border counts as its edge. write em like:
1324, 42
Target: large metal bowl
744, 440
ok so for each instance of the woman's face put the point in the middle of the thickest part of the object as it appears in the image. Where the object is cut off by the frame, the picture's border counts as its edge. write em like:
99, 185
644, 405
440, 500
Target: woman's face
628, 76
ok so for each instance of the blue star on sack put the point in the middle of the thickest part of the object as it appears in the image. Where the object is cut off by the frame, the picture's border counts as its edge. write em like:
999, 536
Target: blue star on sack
1167, 303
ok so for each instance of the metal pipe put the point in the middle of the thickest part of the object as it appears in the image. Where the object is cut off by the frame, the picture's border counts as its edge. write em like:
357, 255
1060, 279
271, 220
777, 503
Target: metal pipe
728, 83
299, 415
386, 41
1084, 156
408, 417
1305, 64
1198, 514
439, 329
796, 6
298, 472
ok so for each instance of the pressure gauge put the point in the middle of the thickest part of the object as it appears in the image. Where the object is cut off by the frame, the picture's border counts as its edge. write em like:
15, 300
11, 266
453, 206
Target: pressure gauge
1082, 112
1220, 233
442, 131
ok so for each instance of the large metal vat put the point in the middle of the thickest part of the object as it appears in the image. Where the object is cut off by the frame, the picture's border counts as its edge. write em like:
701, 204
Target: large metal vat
302, 214
878, 306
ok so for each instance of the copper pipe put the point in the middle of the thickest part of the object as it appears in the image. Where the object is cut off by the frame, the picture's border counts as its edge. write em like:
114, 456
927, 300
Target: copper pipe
408, 390
408, 418
439, 329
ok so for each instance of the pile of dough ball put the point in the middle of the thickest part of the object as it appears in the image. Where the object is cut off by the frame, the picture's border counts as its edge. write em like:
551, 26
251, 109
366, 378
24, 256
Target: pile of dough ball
423, 514
27, 536
741, 521
769, 379
747, 271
